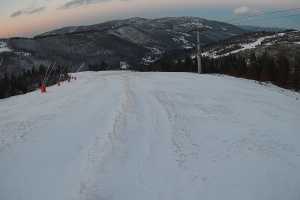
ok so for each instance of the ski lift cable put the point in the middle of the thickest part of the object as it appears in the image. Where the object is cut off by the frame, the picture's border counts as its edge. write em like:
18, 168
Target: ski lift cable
48, 69
51, 70
47, 72
80, 67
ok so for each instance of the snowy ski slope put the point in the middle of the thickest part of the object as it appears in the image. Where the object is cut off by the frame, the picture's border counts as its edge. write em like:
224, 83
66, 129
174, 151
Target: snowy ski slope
168, 136
245, 46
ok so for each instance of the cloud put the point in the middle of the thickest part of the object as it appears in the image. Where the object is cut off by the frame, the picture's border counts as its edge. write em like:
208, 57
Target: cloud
16, 14
245, 11
28, 11
77, 3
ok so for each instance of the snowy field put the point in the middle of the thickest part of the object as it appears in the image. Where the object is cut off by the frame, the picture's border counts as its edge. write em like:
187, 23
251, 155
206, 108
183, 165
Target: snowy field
146, 136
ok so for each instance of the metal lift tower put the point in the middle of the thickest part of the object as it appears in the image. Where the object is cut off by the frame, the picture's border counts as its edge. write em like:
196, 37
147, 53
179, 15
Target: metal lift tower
199, 52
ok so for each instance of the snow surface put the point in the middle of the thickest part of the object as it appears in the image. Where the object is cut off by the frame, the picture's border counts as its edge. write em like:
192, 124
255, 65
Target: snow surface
3, 47
126, 135
246, 46
185, 43
23, 53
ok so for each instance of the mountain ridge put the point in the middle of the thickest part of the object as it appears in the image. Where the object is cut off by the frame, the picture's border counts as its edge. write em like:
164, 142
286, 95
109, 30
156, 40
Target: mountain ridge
136, 41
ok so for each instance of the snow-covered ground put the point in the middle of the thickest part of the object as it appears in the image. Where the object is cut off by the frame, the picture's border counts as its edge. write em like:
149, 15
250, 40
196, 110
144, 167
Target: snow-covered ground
182, 40
3, 47
152, 56
126, 135
245, 46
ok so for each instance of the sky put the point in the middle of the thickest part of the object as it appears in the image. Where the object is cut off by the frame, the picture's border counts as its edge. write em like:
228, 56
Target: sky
27, 18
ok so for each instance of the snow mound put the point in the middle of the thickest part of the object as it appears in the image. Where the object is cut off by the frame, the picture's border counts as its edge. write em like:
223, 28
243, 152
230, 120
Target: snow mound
125, 135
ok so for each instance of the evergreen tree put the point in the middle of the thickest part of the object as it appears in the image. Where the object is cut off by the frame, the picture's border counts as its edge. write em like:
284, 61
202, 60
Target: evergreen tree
296, 78
268, 68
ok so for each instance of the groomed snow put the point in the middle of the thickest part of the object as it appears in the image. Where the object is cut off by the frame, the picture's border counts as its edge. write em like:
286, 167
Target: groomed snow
126, 135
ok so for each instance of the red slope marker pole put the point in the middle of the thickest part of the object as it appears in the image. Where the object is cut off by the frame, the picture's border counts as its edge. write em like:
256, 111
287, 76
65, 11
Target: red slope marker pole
43, 88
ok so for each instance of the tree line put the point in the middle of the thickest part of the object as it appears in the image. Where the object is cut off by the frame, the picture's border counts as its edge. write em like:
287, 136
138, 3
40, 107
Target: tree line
264, 68
29, 80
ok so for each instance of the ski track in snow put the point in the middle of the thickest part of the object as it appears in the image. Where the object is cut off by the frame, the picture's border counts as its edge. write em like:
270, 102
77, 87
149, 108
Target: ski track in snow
126, 135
